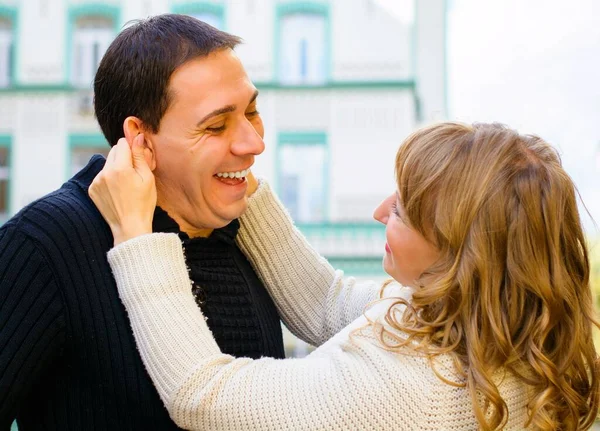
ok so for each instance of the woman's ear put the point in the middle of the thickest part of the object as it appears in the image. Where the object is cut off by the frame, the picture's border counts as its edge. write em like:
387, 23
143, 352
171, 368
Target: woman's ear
133, 126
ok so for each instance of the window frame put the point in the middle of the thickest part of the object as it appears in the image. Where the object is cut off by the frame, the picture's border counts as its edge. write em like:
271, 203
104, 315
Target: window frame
305, 139
11, 15
75, 13
6, 142
85, 141
198, 7
305, 8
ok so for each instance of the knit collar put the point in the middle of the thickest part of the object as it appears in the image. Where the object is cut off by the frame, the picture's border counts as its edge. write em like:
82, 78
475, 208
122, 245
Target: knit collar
163, 222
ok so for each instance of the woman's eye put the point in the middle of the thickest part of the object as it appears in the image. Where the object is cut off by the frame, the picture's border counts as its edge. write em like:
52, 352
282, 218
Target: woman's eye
395, 209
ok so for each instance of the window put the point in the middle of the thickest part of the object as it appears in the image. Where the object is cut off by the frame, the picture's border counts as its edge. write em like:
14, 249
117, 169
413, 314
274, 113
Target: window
209, 18
302, 49
4, 181
81, 155
91, 37
81, 149
6, 53
211, 13
302, 179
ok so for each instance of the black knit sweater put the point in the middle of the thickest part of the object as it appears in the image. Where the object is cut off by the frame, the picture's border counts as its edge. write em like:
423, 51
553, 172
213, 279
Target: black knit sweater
239, 311
68, 359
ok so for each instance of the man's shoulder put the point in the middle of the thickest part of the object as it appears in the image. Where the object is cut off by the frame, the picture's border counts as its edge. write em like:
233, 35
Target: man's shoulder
64, 203
66, 214
68, 205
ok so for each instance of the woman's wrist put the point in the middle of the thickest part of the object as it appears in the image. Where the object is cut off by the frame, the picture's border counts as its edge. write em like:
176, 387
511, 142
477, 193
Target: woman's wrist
125, 233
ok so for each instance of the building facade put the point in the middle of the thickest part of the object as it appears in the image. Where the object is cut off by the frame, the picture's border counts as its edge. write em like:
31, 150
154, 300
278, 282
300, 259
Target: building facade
342, 82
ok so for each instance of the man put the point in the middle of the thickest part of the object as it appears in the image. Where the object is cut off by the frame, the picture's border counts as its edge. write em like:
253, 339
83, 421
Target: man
67, 355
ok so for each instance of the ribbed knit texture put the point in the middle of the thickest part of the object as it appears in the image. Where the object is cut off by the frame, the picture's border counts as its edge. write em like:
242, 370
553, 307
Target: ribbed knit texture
234, 301
348, 383
68, 360
313, 299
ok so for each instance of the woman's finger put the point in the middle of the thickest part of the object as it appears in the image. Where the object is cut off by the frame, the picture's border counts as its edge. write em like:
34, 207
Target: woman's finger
123, 155
110, 158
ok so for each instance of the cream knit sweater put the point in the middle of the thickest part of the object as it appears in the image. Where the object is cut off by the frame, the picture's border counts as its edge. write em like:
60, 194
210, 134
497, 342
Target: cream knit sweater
348, 383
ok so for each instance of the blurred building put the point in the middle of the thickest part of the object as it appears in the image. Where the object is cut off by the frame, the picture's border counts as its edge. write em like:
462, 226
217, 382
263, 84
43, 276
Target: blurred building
341, 83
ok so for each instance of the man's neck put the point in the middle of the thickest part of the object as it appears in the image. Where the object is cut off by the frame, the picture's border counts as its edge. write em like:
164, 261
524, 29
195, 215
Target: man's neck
195, 233
187, 228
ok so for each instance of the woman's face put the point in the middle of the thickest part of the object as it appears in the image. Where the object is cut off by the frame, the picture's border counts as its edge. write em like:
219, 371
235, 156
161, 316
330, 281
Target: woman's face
407, 253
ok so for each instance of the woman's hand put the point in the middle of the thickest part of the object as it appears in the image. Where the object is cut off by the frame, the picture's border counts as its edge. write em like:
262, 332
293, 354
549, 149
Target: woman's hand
252, 184
125, 192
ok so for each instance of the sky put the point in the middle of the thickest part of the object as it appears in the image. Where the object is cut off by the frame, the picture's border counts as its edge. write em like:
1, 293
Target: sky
535, 66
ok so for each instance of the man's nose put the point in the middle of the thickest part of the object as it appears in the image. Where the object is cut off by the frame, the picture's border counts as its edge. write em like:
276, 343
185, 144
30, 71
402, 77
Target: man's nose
248, 141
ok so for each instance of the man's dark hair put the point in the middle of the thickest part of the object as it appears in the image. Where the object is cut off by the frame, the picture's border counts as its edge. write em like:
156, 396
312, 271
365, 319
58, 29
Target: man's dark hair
133, 76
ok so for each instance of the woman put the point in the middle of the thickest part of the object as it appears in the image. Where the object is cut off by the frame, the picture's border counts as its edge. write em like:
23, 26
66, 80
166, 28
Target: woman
492, 330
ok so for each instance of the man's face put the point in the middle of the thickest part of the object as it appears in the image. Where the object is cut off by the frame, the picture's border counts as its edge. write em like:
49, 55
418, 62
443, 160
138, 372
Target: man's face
209, 134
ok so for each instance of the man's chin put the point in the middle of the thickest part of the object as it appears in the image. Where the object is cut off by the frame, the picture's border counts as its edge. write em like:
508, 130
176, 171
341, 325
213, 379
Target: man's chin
234, 211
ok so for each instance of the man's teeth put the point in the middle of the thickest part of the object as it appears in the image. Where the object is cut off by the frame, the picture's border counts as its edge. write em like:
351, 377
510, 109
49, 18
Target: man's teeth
238, 174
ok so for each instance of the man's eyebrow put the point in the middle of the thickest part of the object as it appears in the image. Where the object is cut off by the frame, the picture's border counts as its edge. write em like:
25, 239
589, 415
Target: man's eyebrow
223, 110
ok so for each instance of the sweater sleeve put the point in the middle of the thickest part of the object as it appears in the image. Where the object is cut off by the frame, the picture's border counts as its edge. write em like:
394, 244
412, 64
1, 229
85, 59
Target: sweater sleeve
314, 300
32, 324
205, 389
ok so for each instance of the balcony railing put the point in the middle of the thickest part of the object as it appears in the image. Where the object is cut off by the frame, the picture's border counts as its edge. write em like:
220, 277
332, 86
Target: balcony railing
355, 247
351, 239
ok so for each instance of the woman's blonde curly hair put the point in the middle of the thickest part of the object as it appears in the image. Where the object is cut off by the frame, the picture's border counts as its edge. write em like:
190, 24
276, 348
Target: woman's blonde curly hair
511, 290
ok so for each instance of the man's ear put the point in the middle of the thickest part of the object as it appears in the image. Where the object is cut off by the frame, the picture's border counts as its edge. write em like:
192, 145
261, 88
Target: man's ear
133, 126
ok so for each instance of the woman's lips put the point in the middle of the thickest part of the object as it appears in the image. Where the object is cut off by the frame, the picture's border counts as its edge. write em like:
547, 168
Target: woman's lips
387, 248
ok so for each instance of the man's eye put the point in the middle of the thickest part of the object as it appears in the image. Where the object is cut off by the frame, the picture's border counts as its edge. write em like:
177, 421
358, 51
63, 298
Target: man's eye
252, 114
215, 129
